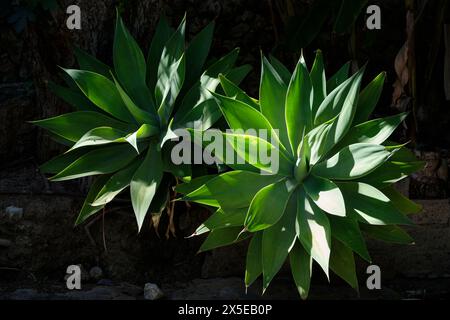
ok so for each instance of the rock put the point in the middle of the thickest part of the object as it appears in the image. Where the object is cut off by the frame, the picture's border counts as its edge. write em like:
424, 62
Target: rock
130, 289
98, 293
27, 294
96, 273
152, 292
14, 213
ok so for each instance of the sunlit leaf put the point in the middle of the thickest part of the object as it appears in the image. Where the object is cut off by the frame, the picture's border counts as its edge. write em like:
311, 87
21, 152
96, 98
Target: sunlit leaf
145, 182
313, 230
277, 242
268, 205
369, 205
99, 161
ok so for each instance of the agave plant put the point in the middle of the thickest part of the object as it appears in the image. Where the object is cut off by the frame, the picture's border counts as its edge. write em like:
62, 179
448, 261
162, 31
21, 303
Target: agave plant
334, 180
125, 115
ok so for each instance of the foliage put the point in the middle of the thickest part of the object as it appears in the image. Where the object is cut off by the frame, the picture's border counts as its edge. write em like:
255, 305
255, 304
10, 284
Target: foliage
125, 115
335, 178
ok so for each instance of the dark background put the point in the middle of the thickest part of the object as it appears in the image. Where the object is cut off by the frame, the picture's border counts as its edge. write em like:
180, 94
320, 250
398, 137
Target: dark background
39, 245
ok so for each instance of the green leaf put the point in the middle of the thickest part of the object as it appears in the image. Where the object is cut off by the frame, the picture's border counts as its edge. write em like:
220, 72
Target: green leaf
301, 268
100, 136
145, 182
281, 69
298, 106
368, 99
392, 234
72, 126
244, 152
401, 202
316, 140
391, 172
233, 91
72, 97
90, 63
253, 266
402, 154
181, 170
313, 230
116, 183
301, 170
193, 184
369, 205
223, 65
221, 238
347, 231
277, 242
325, 194
268, 205
88, 210
62, 161
99, 161
174, 78
70, 82
60, 140
352, 162
338, 78
206, 111
333, 103
144, 131
171, 72
319, 82
102, 92
162, 196
374, 131
272, 99
340, 126
198, 108
130, 67
223, 219
202, 117
162, 34
203, 196
234, 189
240, 115
196, 54
342, 263
141, 116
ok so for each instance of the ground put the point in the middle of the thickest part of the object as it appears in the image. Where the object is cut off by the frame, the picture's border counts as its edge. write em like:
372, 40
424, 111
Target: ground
37, 245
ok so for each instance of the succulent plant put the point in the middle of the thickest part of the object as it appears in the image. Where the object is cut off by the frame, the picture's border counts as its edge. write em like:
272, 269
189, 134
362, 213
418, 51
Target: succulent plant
125, 115
334, 181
